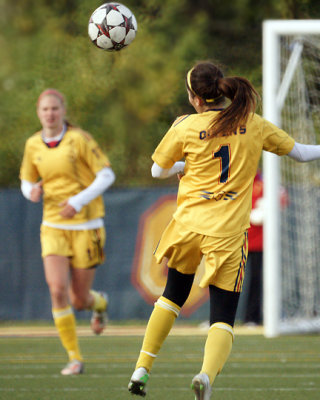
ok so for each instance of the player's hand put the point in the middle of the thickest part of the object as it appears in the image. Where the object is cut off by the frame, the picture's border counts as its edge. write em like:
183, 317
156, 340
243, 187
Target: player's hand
36, 192
67, 210
180, 176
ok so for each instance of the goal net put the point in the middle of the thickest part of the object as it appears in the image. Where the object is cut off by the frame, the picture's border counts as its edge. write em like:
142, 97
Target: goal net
292, 231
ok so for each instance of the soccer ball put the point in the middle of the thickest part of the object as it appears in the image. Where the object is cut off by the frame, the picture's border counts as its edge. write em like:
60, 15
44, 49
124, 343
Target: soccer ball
112, 27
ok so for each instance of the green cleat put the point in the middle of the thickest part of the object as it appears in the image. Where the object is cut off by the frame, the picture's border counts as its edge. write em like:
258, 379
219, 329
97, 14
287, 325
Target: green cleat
138, 381
201, 387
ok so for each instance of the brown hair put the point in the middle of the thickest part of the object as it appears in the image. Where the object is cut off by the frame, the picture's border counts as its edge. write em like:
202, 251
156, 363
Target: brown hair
206, 81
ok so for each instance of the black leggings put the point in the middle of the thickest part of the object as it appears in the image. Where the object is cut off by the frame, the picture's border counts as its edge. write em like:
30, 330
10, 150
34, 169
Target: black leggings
223, 303
178, 287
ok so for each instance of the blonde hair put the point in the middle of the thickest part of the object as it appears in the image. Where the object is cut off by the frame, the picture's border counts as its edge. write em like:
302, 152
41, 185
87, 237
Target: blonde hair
52, 92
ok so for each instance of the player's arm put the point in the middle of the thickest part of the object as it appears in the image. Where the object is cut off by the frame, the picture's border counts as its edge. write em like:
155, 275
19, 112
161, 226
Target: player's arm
163, 173
31, 187
104, 179
167, 154
32, 191
305, 152
279, 142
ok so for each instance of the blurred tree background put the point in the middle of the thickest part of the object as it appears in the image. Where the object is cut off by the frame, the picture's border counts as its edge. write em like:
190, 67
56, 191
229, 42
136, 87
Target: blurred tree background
127, 100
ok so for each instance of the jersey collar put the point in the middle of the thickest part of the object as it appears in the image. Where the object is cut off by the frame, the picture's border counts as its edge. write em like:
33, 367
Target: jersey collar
54, 141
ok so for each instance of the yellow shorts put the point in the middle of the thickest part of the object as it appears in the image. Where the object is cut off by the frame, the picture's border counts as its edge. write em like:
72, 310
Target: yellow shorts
84, 248
225, 258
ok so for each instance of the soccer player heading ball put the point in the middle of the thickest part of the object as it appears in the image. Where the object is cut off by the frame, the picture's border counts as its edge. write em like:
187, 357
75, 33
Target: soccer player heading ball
221, 144
65, 166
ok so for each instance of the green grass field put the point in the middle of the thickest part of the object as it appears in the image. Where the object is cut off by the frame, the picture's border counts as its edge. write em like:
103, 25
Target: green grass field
258, 369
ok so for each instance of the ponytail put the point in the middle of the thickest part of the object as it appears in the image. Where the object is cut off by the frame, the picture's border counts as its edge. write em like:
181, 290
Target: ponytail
243, 98
206, 81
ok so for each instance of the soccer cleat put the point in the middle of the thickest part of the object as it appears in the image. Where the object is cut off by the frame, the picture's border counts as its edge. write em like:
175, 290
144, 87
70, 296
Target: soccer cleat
74, 367
99, 318
201, 387
138, 381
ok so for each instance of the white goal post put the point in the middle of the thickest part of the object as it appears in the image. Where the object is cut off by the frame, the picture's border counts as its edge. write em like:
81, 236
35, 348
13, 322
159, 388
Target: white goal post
291, 100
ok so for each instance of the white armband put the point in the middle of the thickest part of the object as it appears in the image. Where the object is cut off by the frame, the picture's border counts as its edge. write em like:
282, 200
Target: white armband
162, 173
104, 179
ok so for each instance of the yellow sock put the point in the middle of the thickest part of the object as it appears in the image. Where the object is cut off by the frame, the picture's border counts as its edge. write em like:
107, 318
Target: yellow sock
217, 349
160, 323
66, 325
99, 302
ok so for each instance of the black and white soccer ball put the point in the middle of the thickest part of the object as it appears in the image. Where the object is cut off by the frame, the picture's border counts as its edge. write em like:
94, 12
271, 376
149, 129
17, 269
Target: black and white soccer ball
112, 27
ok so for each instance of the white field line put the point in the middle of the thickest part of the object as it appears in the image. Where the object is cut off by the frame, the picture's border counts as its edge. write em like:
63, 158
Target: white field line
176, 389
161, 376
272, 366
113, 330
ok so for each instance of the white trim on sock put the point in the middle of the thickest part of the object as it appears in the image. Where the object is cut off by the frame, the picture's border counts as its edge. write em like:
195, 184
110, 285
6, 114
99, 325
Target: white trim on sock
149, 354
226, 327
167, 306
62, 312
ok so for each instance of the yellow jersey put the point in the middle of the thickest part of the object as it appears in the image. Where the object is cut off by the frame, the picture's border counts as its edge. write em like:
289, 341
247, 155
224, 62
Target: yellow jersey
215, 194
65, 171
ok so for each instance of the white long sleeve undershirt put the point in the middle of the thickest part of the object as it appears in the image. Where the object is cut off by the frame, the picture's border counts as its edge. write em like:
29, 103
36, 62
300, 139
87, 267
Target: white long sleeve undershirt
104, 179
26, 188
162, 173
305, 152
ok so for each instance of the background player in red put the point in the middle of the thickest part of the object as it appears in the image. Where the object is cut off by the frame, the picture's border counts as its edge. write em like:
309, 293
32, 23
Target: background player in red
253, 287
254, 271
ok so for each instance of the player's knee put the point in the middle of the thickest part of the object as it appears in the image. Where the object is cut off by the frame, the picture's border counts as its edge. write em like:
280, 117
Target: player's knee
178, 287
58, 293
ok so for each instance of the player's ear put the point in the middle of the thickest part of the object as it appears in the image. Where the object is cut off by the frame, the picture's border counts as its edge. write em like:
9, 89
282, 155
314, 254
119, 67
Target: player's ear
198, 101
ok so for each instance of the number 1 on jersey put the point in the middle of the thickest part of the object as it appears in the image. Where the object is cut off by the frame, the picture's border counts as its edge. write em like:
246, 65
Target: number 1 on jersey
224, 154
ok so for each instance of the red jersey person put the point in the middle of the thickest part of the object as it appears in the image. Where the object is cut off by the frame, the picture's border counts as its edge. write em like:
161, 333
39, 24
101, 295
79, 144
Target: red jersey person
254, 271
